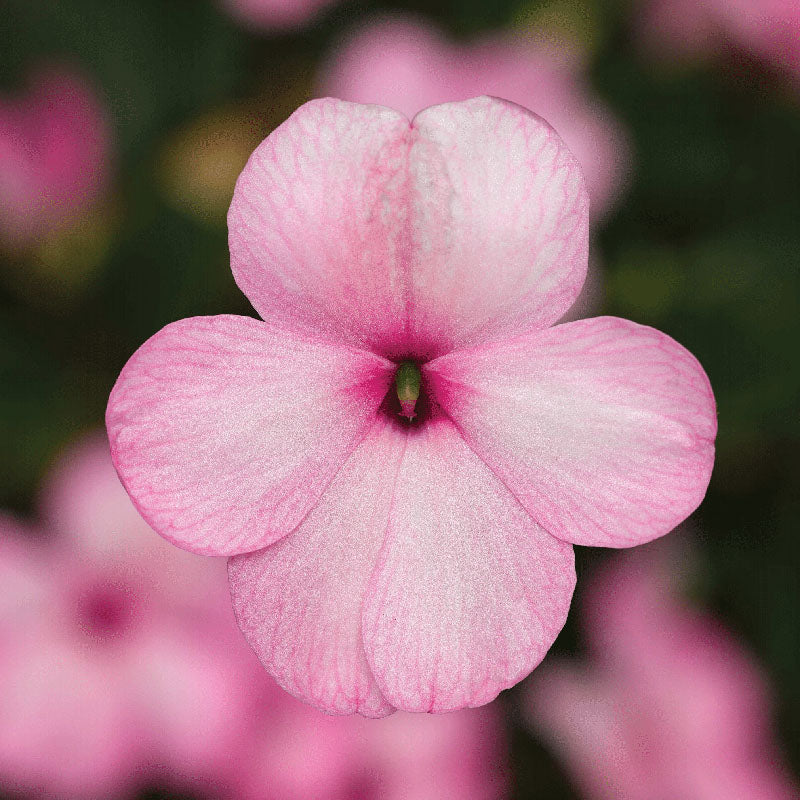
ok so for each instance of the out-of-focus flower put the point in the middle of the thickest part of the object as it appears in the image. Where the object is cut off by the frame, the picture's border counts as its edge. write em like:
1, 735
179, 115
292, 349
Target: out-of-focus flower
295, 753
200, 162
409, 268
54, 156
769, 29
670, 704
121, 663
408, 65
276, 14
118, 661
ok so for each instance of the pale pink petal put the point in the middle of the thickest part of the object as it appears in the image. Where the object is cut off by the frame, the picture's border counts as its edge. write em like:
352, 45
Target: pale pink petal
503, 232
319, 219
469, 593
299, 601
410, 238
226, 431
602, 428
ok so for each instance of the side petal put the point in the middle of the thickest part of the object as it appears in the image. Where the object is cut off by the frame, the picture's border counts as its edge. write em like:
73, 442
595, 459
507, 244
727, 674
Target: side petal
602, 428
225, 431
469, 593
411, 238
298, 602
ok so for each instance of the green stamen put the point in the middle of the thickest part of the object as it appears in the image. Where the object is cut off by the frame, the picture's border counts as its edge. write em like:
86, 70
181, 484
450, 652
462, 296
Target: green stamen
407, 381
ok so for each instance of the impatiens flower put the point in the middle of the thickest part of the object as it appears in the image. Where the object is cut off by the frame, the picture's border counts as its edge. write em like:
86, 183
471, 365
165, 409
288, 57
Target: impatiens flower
54, 156
405, 63
670, 705
392, 551
769, 29
275, 14
118, 663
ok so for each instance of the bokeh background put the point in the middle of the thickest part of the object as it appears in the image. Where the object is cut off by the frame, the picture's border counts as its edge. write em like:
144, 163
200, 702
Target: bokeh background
123, 126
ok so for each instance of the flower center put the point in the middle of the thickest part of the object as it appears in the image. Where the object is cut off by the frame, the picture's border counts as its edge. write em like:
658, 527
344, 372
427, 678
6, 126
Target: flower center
407, 382
407, 401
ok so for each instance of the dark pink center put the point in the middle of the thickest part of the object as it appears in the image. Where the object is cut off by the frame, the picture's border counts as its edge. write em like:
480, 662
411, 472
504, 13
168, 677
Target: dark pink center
105, 609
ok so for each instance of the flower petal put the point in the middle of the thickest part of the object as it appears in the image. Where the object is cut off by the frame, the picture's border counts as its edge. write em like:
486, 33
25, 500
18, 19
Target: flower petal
410, 238
468, 593
226, 431
299, 601
602, 428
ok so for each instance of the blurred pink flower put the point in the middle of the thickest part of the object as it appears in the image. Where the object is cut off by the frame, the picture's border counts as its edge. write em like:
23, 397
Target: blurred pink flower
276, 14
295, 753
118, 661
670, 705
382, 563
408, 65
769, 29
54, 155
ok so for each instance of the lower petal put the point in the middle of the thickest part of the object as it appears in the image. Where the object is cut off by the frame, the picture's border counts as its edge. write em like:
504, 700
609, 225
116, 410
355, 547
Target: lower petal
298, 602
602, 428
468, 593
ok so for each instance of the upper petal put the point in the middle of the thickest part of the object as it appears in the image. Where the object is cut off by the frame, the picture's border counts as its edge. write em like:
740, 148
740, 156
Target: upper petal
602, 428
298, 602
317, 221
226, 431
501, 224
468, 593
410, 238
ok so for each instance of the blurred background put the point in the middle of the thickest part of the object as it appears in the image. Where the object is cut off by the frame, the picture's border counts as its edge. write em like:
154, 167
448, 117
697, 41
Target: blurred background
123, 126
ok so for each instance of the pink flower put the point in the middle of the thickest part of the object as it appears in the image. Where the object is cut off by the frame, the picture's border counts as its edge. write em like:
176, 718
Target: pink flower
381, 562
670, 704
275, 14
295, 753
408, 65
107, 673
769, 29
54, 155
